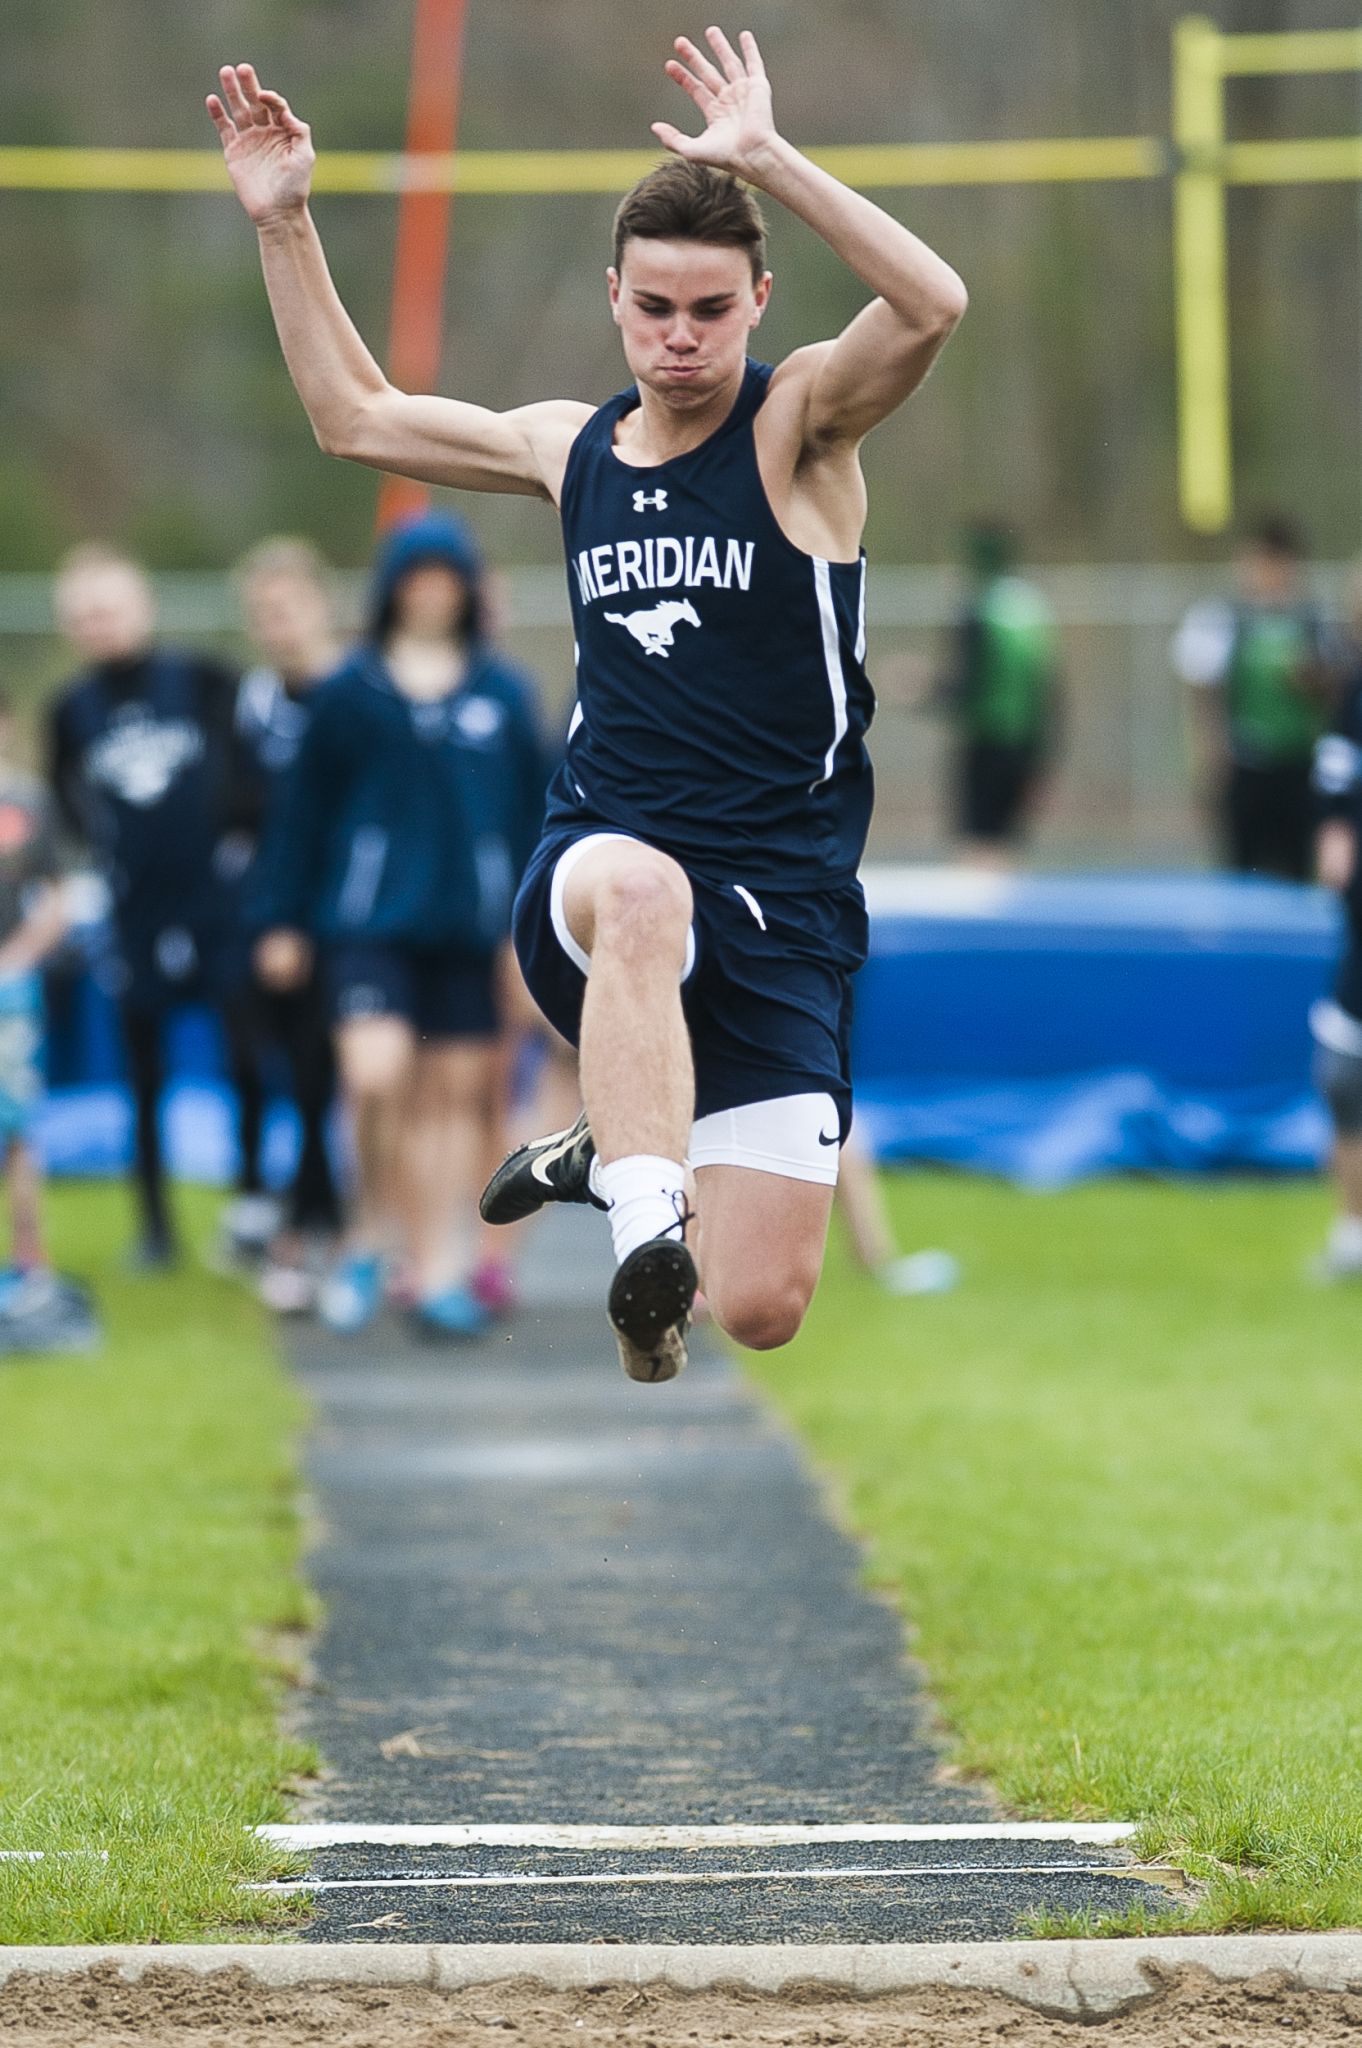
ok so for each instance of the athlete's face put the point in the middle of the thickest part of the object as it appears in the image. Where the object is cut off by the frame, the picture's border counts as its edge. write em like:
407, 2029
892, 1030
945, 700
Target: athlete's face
287, 617
430, 602
685, 312
1267, 576
106, 612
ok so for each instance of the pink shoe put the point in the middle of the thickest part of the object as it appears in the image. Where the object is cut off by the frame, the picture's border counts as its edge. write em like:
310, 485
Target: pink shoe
493, 1284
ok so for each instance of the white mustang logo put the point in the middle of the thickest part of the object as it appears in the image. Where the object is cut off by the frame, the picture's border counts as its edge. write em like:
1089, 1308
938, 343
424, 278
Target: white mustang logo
658, 501
653, 629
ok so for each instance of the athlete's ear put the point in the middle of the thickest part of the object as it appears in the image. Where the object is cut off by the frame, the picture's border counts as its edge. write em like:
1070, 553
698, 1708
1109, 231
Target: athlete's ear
612, 279
762, 293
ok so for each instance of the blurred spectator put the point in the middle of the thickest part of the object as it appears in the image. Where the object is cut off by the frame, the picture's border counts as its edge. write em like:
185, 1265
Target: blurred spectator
1001, 689
38, 1310
870, 1232
282, 584
1337, 1021
145, 766
1259, 680
414, 804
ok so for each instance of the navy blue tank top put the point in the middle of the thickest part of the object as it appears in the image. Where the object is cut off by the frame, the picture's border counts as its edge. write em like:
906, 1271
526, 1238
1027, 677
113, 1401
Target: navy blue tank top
722, 699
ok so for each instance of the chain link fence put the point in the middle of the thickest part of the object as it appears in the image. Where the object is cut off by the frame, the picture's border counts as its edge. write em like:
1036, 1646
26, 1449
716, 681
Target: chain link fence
1121, 791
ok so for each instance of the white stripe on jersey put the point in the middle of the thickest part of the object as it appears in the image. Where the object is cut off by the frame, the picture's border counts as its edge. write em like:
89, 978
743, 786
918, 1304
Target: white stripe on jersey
860, 617
832, 658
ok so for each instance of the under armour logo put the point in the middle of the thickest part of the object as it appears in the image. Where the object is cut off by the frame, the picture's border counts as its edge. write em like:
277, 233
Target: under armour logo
657, 499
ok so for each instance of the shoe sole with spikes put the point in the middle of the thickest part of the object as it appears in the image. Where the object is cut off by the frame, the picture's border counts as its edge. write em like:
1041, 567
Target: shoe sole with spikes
552, 1169
650, 1303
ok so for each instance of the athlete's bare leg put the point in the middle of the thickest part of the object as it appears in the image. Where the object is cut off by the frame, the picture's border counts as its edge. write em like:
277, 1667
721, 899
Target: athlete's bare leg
630, 908
375, 1058
1348, 1174
762, 1238
25, 1205
445, 1111
761, 1235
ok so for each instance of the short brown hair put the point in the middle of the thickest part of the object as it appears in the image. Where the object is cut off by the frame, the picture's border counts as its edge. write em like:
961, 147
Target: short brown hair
282, 555
681, 201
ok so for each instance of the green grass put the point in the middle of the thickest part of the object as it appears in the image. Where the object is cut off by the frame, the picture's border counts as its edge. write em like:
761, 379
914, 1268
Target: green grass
148, 1547
1116, 1483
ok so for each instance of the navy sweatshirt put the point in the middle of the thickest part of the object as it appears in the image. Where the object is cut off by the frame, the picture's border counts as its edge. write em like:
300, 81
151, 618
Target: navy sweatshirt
406, 822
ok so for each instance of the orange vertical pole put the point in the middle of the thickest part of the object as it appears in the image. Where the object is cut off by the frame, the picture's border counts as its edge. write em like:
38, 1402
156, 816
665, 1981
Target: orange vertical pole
416, 331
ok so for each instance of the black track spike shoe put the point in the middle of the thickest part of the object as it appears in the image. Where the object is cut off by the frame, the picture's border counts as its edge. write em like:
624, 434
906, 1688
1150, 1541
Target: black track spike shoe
552, 1169
650, 1303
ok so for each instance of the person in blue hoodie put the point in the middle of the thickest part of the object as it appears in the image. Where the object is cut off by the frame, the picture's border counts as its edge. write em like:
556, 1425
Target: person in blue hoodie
406, 821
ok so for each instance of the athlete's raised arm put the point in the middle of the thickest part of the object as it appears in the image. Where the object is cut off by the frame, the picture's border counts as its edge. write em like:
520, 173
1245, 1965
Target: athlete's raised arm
857, 380
354, 410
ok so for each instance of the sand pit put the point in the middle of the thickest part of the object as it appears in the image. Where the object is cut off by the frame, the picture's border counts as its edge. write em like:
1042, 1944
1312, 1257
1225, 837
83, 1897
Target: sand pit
169, 2008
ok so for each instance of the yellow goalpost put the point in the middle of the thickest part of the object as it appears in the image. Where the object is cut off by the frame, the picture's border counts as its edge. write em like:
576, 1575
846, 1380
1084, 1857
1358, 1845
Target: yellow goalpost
1199, 160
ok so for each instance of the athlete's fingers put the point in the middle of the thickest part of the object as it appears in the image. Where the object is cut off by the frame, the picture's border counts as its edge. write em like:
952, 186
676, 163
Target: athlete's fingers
250, 85
236, 99
751, 55
728, 57
282, 112
220, 118
672, 139
699, 63
696, 87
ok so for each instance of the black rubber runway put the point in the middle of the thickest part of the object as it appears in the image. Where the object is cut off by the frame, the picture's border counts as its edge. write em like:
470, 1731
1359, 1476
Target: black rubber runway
554, 1596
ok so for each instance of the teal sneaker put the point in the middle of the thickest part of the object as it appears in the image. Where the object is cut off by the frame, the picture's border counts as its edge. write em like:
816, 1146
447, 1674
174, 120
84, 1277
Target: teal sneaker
352, 1293
454, 1312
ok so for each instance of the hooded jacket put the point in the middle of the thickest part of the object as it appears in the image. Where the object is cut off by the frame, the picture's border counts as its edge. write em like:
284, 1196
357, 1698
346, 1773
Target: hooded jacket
402, 821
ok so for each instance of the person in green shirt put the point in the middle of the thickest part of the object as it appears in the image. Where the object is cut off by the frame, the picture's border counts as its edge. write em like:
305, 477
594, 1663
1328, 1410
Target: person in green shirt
1001, 690
1259, 673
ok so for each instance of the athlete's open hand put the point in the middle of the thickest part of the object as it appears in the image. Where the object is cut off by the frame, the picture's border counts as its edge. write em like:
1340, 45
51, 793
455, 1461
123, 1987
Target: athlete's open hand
268, 149
733, 95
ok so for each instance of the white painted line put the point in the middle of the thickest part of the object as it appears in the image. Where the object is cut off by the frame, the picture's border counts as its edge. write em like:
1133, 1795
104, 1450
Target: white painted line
586, 1836
493, 1879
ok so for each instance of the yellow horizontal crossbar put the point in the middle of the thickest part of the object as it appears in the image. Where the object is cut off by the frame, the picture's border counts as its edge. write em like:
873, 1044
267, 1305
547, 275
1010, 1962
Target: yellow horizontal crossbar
1330, 159
1303, 50
544, 172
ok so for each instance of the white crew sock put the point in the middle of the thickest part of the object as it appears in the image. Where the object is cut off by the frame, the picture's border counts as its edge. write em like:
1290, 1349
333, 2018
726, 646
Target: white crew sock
645, 1197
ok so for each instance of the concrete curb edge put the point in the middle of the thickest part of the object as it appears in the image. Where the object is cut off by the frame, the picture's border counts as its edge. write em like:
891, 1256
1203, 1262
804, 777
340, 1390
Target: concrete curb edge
1080, 1978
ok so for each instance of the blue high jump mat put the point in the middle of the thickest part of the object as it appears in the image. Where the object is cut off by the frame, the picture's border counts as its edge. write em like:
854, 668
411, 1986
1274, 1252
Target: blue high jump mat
1040, 1027
1049, 1027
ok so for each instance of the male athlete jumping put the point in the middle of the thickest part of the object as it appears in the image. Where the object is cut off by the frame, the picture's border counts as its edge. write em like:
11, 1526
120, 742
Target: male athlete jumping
692, 916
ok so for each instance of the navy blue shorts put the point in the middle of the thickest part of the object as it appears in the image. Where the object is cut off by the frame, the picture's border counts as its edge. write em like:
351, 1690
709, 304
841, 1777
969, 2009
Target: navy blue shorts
766, 997
150, 968
441, 992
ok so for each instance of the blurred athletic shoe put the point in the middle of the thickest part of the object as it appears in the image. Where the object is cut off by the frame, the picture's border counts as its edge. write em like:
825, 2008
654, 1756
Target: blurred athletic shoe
352, 1293
920, 1273
248, 1224
493, 1284
41, 1312
156, 1252
288, 1289
454, 1312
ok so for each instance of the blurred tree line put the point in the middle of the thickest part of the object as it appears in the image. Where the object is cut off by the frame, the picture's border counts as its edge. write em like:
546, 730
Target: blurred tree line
142, 395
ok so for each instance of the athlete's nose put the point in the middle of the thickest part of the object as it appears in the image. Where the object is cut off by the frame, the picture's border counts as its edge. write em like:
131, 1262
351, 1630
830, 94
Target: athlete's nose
681, 338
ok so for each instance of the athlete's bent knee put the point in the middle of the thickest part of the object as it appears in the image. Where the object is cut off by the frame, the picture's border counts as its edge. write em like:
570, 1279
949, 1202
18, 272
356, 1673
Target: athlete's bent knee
643, 907
763, 1319
375, 1058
